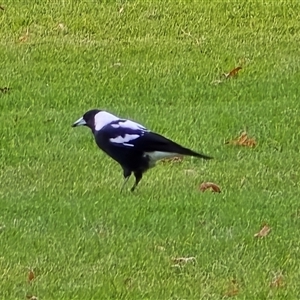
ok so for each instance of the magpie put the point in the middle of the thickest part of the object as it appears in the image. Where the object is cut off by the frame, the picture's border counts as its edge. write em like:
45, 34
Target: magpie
132, 145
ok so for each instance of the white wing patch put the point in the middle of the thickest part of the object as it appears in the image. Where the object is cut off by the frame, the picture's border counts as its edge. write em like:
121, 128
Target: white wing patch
115, 125
124, 140
131, 125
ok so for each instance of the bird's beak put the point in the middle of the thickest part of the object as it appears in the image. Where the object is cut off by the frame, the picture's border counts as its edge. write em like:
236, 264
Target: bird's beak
79, 122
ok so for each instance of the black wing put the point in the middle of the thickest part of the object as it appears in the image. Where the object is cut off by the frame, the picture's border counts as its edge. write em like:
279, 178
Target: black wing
151, 142
121, 133
138, 138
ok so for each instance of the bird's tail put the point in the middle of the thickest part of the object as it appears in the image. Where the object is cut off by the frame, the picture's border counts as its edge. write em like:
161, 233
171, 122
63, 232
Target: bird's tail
190, 152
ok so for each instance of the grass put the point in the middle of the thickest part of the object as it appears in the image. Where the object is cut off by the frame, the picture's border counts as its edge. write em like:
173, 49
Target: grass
155, 62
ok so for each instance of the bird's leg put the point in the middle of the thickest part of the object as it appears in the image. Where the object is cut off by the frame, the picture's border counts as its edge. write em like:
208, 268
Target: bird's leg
126, 174
138, 176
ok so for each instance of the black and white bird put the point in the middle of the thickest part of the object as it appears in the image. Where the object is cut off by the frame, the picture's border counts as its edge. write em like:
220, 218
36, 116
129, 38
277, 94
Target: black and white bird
133, 146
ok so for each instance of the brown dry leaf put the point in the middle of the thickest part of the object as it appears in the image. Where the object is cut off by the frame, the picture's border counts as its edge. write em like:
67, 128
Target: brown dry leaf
225, 76
24, 37
233, 289
30, 276
263, 232
243, 140
233, 72
277, 281
175, 159
209, 186
183, 260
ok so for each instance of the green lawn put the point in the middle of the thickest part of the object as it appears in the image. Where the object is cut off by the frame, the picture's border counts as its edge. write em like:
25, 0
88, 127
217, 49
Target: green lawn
158, 63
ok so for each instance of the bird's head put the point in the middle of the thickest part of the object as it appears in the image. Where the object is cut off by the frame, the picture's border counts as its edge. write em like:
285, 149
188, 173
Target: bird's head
95, 119
88, 119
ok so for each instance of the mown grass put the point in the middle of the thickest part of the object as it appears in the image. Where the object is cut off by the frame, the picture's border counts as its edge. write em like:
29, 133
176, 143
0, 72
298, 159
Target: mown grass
155, 62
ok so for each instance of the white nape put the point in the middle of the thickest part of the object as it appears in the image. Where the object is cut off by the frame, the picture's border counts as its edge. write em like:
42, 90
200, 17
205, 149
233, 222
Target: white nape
103, 118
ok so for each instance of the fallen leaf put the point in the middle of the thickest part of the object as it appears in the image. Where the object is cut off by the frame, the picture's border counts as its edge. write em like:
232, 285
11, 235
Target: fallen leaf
4, 90
263, 232
211, 186
233, 289
121, 9
175, 159
1, 7
30, 276
183, 260
243, 140
233, 72
225, 76
277, 281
